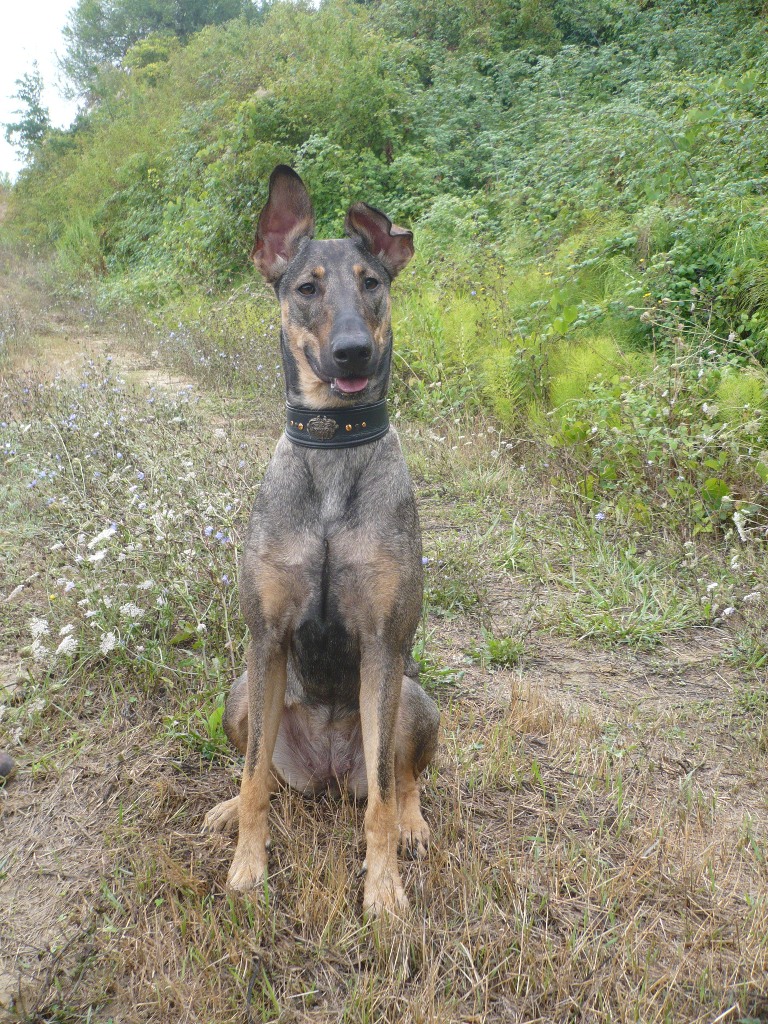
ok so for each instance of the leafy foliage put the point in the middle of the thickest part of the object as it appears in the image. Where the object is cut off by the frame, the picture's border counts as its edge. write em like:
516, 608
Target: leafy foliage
99, 33
27, 133
587, 180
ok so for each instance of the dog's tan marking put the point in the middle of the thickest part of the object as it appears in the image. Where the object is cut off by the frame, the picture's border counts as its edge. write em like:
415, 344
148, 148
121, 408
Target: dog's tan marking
267, 678
315, 393
319, 272
383, 890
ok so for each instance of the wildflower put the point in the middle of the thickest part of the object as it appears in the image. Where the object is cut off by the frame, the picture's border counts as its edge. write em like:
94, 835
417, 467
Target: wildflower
738, 522
39, 650
38, 627
146, 585
225, 580
208, 531
600, 516
110, 531
131, 610
97, 555
67, 647
752, 598
66, 630
108, 643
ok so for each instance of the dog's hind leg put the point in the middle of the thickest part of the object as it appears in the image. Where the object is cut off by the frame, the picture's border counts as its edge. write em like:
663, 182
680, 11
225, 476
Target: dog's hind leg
225, 815
418, 723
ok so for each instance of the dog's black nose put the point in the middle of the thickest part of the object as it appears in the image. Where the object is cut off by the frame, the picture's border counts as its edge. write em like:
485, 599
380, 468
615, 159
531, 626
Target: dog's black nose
352, 352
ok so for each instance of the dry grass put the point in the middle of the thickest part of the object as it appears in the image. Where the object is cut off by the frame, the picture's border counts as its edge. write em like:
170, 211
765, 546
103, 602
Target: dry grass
599, 816
566, 882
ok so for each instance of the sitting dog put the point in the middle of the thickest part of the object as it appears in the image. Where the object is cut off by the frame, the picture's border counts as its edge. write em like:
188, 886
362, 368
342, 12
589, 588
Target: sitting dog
331, 576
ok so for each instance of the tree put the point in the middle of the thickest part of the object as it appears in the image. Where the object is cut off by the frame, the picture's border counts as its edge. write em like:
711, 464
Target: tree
34, 123
99, 33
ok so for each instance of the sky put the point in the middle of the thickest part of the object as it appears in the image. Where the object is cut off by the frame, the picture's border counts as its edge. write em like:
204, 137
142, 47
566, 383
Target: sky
31, 30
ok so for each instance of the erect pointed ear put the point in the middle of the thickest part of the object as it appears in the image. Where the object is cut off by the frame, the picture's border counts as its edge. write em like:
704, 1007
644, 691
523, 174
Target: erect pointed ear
392, 245
286, 219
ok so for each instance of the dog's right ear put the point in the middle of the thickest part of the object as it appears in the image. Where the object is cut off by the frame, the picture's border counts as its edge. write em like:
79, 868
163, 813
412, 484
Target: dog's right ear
286, 219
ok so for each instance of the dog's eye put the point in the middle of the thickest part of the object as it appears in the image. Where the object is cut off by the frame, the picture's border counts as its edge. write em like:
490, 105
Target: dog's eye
370, 283
307, 289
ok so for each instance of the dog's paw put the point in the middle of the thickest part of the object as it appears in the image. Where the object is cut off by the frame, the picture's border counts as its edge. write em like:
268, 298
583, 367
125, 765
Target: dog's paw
249, 868
384, 896
413, 841
223, 817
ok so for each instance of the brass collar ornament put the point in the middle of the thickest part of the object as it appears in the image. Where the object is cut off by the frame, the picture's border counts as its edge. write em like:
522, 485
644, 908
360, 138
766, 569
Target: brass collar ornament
336, 428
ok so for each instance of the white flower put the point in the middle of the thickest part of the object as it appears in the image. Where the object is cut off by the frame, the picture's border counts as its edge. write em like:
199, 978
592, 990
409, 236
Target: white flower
107, 601
98, 555
56, 547
108, 643
66, 630
753, 598
711, 587
131, 610
738, 522
727, 612
39, 651
146, 585
68, 646
38, 627
110, 531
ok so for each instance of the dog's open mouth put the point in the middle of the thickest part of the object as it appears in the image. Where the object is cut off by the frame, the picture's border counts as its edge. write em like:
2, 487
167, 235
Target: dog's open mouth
349, 385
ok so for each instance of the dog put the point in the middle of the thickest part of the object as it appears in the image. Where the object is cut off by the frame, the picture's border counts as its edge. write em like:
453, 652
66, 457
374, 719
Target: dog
331, 576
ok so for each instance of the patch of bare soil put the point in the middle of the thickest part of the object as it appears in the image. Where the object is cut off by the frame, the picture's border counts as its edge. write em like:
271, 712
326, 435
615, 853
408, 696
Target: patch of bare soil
50, 355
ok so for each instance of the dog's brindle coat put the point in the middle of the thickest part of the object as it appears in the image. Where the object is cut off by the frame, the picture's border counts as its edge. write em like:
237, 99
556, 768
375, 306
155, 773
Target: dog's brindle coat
331, 577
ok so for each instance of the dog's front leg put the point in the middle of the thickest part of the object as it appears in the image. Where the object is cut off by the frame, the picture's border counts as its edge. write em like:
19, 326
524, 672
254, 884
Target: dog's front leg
380, 680
266, 696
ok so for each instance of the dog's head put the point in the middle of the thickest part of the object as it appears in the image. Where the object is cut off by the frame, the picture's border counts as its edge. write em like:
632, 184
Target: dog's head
334, 295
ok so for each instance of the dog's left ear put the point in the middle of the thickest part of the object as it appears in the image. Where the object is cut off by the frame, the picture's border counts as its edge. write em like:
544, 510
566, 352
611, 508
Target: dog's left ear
390, 244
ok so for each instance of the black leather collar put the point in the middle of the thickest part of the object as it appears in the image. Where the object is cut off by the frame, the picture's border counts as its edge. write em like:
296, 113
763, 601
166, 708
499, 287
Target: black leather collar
336, 428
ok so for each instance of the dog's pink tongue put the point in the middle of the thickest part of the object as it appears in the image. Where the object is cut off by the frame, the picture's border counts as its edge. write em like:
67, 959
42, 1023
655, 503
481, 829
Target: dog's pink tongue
350, 385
